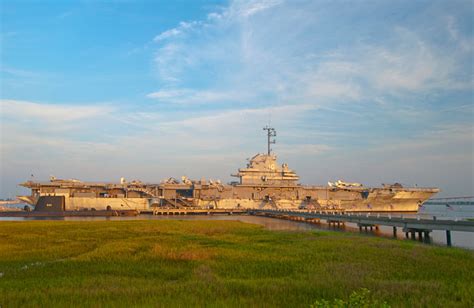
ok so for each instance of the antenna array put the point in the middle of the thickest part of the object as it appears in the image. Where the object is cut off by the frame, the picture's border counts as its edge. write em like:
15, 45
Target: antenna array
271, 132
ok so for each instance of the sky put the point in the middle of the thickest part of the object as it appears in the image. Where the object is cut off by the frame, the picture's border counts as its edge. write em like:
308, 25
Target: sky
364, 91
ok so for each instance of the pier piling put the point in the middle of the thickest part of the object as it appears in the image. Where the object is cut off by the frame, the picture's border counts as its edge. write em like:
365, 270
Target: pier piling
427, 237
420, 236
448, 238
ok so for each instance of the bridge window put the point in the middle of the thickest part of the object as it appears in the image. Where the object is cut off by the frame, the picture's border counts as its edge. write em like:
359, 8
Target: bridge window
186, 193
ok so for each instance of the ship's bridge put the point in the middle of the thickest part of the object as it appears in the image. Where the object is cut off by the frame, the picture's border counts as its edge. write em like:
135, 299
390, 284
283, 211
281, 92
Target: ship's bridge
263, 170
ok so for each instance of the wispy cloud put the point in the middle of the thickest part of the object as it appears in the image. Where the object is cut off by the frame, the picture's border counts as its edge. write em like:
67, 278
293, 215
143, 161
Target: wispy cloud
304, 149
188, 96
244, 119
249, 8
179, 52
466, 44
49, 112
167, 34
413, 64
182, 28
259, 59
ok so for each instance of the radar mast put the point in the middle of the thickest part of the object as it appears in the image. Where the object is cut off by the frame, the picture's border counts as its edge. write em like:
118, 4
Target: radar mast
271, 132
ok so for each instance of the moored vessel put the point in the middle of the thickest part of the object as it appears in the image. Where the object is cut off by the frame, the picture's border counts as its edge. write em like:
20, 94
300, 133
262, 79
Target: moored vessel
261, 184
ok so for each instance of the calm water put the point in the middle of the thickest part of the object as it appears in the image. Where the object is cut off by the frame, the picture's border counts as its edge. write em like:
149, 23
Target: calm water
459, 212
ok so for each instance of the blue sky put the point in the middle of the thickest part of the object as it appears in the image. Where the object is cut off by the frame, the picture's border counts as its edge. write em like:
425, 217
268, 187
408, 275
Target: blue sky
367, 91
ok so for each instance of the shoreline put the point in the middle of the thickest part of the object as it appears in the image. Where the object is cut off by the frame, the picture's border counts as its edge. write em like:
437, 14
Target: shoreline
437, 238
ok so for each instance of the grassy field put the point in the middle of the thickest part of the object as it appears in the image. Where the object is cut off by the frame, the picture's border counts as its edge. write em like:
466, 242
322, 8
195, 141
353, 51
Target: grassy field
219, 263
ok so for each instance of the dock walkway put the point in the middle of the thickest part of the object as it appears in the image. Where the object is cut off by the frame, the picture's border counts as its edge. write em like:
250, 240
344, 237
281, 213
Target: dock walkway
367, 220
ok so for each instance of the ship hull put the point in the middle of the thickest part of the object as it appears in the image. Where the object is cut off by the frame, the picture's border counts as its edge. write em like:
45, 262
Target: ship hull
239, 197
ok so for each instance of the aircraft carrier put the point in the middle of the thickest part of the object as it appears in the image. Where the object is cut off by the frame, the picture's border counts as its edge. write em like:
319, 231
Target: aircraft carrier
262, 184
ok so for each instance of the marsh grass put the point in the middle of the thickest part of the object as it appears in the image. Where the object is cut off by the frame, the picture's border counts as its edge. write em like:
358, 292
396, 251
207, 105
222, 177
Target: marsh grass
219, 263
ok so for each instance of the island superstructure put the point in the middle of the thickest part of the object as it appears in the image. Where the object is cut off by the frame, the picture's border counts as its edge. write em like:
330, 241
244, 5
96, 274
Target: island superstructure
261, 184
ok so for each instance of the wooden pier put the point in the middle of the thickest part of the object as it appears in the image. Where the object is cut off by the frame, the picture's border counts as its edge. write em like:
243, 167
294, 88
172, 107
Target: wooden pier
410, 226
194, 211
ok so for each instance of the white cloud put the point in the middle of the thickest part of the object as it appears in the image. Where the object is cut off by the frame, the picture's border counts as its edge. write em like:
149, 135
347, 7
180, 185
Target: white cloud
218, 42
168, 94
171, 61
167, 34
278, 53
188, 96
249, 8
412, 64
49, 112
303, 149
332, 89
244, 117
174, 32
242, 9
464, 43
454, 136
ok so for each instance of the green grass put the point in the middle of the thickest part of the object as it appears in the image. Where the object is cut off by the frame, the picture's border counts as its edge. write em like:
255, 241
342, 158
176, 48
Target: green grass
219, 263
